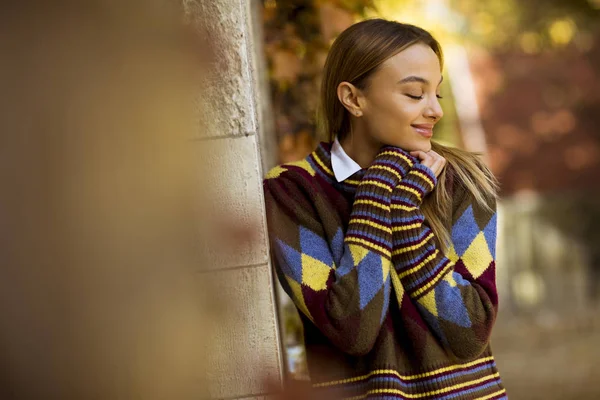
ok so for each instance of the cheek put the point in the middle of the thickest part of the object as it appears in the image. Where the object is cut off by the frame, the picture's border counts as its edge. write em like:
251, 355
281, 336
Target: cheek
397, 109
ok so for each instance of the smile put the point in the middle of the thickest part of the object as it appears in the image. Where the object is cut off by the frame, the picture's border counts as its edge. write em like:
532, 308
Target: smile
424, 130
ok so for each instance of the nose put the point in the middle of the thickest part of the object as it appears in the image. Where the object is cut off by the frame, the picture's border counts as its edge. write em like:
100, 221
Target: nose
434, 109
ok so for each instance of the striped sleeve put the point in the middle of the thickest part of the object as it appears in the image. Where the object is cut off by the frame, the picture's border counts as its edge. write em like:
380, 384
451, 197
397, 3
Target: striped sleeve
454, 292
345, 295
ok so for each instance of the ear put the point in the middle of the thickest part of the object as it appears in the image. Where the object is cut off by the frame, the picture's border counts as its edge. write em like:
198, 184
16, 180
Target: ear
349, 95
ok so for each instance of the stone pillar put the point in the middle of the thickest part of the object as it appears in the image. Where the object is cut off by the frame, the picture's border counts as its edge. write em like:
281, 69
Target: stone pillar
267, 135
245, 347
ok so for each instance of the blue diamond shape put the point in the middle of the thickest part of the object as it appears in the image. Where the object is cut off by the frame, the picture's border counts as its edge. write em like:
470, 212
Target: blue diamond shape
370, 278
337, 245
346, 264
290, 260
464, 231
450, 304
315, 246
386, 299
458, 278
490, 235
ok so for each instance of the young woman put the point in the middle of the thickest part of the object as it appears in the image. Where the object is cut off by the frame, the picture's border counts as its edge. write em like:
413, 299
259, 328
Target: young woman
384, 239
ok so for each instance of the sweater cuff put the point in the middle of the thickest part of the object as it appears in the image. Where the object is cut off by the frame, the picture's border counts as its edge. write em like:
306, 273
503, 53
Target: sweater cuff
391, 165
425, 272
419, 182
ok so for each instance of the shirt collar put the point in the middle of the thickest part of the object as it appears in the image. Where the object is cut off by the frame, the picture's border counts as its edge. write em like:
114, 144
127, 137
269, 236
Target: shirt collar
343, 166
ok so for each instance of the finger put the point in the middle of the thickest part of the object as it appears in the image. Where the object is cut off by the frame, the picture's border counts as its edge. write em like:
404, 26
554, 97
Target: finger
418, 154
423, 157
429, 162
436, 155
438, 166
438, 159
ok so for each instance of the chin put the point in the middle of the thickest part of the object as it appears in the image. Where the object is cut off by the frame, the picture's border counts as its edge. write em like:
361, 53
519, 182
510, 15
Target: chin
426, 146
420, 146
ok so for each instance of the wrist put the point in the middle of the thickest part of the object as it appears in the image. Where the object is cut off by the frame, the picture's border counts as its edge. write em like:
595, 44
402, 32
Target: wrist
391, 164
419, 182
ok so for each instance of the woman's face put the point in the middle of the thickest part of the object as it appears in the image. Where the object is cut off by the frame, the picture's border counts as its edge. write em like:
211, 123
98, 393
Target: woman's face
400, 104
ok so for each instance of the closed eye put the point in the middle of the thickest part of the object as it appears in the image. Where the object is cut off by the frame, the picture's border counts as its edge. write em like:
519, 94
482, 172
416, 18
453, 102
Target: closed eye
421, 97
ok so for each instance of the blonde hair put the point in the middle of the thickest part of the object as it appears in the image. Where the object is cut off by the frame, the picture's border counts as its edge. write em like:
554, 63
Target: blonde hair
472, 174
354, 57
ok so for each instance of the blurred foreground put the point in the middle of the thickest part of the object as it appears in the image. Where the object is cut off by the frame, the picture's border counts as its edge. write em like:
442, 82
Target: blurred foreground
103, 293
134, 250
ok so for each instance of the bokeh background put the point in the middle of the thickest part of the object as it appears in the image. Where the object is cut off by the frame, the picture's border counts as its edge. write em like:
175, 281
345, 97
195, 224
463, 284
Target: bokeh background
134, 137
522, 86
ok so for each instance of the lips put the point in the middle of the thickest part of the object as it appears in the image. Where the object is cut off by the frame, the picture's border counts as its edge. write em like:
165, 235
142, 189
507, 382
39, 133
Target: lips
425, 130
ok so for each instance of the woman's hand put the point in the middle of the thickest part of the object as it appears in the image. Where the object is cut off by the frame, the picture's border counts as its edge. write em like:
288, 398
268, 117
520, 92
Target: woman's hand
431, 159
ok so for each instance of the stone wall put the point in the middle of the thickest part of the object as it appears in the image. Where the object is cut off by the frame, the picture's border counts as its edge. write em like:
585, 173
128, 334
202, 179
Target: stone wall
245, 346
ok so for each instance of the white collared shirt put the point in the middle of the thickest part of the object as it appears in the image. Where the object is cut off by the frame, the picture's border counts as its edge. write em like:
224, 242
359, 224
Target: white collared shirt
343, 166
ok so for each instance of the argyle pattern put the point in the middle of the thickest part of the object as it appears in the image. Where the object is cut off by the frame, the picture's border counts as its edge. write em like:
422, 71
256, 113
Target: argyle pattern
455, 293
343, 282
386, 313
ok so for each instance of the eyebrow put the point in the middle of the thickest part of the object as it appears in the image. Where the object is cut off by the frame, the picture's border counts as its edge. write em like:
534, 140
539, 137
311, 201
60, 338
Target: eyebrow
414, 78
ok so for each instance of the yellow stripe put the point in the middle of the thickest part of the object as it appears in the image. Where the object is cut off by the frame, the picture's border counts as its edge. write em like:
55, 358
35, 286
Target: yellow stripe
330, 172
415, 247
373, 203
393, 153
378, 184
402, 207
433, 392
405, 227
424, 176
368, 244
489, 396
371, 223
414, 191
316, 157
421, 264
435, 280
451, 368
359, 397
406, 377
383, 167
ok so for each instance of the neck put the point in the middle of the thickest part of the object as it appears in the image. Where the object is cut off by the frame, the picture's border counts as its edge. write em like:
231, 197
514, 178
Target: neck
360, 148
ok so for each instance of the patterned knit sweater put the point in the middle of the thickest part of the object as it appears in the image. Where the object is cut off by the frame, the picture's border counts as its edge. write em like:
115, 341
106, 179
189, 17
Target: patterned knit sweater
386, 313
